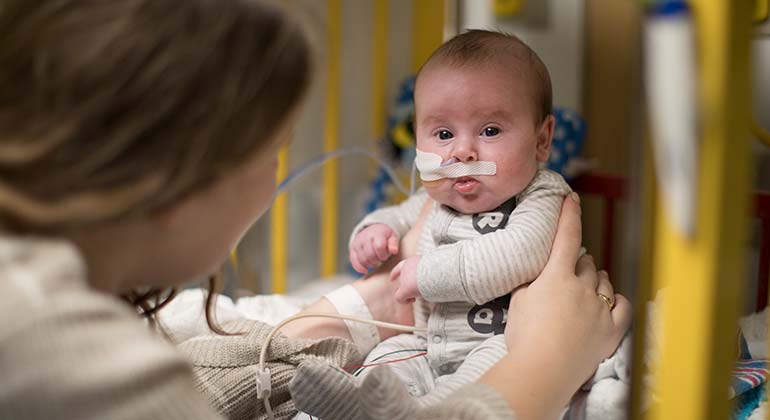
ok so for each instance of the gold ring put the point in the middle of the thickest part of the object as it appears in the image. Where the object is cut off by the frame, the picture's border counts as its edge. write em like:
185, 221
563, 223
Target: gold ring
610, 301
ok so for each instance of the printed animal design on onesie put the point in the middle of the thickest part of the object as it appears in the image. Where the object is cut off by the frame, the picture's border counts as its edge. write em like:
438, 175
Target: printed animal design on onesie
490, 221
491, 317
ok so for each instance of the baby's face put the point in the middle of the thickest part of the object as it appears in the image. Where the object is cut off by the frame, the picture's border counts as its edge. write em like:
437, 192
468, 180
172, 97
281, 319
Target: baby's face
480, 113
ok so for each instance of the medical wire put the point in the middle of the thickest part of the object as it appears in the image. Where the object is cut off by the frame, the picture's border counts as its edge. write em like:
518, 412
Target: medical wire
385, 362
316, 162
263, 374
359, 369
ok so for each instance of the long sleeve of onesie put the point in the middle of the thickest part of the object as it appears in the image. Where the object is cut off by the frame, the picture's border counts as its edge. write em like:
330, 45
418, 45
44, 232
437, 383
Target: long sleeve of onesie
400, 217
489, 266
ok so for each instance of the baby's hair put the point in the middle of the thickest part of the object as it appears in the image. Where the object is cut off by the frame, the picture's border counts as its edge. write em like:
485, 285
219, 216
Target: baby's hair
120, 108
478, 46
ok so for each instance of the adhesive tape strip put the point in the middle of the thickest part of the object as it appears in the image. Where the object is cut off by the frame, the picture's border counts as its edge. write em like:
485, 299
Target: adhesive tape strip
431, 169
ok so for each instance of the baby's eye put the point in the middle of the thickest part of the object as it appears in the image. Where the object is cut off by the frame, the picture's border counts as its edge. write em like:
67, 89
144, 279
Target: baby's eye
444, 135
491, 131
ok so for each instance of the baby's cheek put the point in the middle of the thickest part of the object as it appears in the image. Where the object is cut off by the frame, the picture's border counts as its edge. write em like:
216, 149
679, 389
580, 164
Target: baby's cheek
434, 188
426, 144
519, 164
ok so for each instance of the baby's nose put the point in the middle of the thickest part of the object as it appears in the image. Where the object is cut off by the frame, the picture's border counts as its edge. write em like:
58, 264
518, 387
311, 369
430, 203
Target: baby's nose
464, 153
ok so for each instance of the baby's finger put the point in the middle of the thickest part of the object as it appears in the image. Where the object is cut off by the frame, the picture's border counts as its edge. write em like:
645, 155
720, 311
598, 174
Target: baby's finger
369, 257
360, 246
356, 264
566, 244
393, 244
380, 246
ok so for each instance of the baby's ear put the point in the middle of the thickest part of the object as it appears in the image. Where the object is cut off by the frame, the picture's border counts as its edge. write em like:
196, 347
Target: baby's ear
544, 138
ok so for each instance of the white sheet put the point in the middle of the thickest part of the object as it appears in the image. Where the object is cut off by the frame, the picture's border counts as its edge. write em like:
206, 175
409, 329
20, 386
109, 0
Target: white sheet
186, 318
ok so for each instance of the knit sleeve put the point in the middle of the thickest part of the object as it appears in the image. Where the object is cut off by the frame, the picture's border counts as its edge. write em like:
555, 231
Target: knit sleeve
400, 217
85, 356
489, 266
226, 366
472, 402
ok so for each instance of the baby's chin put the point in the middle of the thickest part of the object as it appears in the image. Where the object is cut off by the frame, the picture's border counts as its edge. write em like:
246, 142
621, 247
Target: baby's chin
465, 204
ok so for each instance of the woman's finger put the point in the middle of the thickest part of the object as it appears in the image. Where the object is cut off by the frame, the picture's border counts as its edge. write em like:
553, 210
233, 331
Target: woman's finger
621, 315
566, 244
604, 286
585, 269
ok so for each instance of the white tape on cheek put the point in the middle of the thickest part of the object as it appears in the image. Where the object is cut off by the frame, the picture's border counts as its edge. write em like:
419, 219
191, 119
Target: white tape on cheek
432, 169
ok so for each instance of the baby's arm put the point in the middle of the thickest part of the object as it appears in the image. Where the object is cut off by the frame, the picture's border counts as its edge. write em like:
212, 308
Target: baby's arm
376, 237
492, 265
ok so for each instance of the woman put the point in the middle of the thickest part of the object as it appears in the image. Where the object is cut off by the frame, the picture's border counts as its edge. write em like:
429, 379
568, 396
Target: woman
138, 141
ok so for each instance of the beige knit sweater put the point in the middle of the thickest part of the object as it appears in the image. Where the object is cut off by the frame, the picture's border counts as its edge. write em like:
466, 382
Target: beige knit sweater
67, 351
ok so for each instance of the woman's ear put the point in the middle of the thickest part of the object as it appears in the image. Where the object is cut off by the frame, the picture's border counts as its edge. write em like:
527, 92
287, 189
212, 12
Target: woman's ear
545, 138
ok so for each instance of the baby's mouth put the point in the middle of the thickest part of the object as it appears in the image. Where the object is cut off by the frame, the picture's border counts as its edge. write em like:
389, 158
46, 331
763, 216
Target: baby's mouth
465, 184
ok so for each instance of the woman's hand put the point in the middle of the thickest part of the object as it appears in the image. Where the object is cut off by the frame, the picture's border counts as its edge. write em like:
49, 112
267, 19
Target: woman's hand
558, 328
563, 302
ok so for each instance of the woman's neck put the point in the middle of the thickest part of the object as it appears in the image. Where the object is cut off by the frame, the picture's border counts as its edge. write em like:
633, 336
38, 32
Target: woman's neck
112, 255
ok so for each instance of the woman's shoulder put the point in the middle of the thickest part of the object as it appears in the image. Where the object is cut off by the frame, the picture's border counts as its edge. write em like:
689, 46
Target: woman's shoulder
44, 294
40, 278
66, 348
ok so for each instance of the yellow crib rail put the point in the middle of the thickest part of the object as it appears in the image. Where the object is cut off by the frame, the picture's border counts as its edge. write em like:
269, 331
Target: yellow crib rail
427, 32
703, 275
329, 209
379, 67
279, 229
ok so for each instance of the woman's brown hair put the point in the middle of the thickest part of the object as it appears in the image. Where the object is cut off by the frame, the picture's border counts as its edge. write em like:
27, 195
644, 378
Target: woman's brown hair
111, 109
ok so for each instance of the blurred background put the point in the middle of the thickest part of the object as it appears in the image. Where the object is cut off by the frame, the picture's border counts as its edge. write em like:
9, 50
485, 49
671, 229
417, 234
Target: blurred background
593, 50
663, 112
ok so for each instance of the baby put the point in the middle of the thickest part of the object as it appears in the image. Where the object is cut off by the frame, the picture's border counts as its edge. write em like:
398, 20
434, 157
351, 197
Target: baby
484, 126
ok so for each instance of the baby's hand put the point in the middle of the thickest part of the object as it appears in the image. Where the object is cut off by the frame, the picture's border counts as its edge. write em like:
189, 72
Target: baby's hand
406, 273
373, 245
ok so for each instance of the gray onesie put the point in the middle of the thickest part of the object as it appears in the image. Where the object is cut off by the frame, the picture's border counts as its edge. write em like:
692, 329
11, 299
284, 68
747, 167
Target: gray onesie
469, 265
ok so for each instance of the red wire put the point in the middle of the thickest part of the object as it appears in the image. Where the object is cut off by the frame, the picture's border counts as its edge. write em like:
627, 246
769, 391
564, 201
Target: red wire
385, 362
